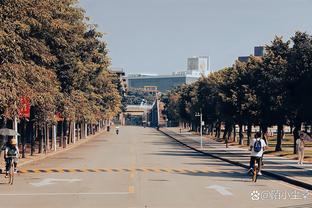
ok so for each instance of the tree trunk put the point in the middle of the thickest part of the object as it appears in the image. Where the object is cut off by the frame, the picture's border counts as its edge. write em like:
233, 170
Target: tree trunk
249, 127
69, 134
62, 133
74, 132
264, 131
217, 129
65, 133
82, 130
211, 129
85, 127
24, 134
278, 146
296, 135
32, 135
240, 133
230, 132
78, 131
225, 138
54, 133
40, 135
50, 135
225, 133
46, 138
234, 133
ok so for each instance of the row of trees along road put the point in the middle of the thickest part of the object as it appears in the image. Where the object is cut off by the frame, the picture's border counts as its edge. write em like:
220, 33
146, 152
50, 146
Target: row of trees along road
52, 58
275, 89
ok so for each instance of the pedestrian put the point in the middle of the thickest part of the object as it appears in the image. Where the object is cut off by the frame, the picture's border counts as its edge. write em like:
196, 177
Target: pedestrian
257, 148
300, 148
265, 138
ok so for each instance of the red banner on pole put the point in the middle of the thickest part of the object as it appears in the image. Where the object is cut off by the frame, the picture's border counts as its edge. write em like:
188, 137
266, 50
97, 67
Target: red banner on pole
24, 111
58, 116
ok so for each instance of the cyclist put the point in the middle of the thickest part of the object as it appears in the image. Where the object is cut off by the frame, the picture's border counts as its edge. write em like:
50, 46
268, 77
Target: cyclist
11, 153
257, 147
117, 129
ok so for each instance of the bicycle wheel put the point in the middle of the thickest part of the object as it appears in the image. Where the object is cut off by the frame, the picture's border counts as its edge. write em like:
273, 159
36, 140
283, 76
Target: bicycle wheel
11, 173
255, 173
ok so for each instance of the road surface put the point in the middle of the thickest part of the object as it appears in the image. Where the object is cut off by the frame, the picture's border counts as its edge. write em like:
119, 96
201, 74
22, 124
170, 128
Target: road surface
141, 167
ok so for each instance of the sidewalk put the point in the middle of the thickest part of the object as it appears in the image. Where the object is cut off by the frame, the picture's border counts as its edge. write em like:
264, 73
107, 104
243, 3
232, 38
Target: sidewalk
281, 168
36, 157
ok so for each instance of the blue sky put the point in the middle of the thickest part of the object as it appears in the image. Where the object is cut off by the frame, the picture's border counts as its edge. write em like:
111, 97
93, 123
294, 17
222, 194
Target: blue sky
157, 36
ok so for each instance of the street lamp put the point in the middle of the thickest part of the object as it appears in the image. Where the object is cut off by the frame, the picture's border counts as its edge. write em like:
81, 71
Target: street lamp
201, 128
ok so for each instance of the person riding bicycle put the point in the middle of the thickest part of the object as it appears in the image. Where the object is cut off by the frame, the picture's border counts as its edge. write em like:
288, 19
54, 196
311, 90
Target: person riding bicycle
257, 147
11, 153
117, 129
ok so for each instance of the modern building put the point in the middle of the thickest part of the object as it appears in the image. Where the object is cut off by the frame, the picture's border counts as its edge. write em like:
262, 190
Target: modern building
160, 82
120, 73
243, 58
199, 64
196, 67
259, 51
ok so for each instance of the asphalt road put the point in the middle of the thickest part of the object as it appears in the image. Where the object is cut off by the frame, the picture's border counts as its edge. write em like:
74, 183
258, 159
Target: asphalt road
141, 167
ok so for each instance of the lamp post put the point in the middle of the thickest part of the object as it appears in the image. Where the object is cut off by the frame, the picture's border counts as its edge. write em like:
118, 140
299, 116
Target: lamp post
201, 128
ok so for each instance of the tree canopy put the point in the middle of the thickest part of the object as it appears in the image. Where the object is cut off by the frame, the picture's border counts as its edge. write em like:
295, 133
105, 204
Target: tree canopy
50, 54
271, 90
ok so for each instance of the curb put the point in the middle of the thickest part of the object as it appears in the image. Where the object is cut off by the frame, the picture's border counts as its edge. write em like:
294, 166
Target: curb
72, 146
273, 175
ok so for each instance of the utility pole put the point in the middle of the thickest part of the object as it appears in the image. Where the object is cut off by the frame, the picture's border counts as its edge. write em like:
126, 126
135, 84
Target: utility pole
201, 129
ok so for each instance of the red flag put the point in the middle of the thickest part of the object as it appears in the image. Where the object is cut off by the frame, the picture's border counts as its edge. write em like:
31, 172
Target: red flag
58, 116
25, 107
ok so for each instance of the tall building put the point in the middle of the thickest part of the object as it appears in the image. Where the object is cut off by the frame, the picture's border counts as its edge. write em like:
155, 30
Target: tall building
199, 64
259, 51
121, 76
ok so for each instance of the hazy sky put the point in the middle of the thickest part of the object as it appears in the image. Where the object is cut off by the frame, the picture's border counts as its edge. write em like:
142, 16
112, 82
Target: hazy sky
157, 36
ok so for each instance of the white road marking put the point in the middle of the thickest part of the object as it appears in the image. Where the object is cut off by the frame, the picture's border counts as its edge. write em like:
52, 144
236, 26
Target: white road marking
221, 189
64, 194
50, 181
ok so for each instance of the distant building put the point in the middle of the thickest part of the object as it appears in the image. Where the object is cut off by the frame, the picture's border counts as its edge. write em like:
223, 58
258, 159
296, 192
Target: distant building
243, 58
136, 114
259, 51
196, 67
121, 76
160, 82
119, 71
150, 89
199, 64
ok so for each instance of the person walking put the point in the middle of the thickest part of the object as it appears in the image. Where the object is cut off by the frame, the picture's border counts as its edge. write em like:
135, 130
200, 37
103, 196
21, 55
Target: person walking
300, 148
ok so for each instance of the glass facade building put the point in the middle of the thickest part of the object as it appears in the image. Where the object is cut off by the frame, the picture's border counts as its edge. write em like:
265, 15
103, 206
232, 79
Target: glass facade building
163, 83
259, 51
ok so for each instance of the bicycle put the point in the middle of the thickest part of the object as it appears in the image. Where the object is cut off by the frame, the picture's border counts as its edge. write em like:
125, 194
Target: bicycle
11, 169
